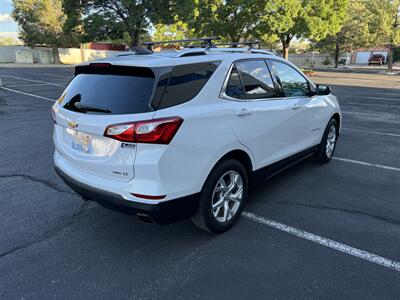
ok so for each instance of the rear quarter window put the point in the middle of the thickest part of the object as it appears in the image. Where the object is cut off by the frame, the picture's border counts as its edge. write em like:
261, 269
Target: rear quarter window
186, 82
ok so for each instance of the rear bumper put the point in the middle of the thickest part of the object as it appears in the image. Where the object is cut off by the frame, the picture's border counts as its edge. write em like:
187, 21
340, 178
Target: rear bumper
162, 213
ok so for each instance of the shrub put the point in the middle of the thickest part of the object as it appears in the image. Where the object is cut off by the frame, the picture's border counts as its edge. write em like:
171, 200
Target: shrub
326, 61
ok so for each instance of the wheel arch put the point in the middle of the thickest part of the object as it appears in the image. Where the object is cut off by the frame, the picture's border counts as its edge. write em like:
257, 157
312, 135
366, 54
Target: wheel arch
337, 118
240, 155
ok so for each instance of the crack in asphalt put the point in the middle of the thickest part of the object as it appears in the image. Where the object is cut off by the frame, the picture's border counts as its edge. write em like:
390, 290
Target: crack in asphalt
49, 234
52, 232
345, 210
42, 181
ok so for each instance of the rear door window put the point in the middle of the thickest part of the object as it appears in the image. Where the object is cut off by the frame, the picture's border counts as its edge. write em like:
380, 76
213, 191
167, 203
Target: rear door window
186, 83
110, 92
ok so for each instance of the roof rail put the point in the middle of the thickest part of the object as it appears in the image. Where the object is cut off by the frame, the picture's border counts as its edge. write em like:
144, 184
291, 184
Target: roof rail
206, 40
249, 44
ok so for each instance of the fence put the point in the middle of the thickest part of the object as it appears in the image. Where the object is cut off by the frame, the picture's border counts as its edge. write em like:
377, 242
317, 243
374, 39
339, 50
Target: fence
311, 59
9, 54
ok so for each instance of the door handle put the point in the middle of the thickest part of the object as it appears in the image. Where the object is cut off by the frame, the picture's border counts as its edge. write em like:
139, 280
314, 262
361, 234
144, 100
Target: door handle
296, 107
243, 112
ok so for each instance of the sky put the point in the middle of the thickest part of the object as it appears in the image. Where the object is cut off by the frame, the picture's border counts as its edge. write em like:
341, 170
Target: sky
7, 25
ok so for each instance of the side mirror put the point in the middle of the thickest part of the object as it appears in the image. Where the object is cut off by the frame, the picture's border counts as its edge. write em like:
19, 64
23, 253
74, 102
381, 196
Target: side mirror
323, 90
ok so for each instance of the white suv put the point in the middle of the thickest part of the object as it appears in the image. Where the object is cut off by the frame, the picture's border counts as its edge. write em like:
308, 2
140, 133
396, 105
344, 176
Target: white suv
174, 135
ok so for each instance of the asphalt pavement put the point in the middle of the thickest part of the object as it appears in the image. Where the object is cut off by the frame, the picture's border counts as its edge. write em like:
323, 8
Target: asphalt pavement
314, 231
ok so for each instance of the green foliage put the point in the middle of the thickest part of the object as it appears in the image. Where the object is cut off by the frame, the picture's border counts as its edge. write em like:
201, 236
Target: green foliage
114, 19
276, 18
396, 54
176, 31
385, 22
355, 32
233, 20
326, 61
41, 23
313, 19
7, 41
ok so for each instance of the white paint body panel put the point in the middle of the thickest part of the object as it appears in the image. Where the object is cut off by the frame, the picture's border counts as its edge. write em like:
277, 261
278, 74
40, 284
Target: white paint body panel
210, 130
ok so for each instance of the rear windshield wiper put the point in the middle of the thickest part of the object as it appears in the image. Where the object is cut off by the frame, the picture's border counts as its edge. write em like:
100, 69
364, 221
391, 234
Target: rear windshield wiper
85, 108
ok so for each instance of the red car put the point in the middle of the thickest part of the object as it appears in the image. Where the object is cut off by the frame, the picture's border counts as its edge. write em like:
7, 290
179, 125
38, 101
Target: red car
376, 59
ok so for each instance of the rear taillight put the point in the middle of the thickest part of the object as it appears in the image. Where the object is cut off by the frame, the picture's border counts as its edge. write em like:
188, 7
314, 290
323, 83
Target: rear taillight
157, 131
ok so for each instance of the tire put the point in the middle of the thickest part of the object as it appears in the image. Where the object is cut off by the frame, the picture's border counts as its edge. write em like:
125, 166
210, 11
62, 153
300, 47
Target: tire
222, 217
328, 143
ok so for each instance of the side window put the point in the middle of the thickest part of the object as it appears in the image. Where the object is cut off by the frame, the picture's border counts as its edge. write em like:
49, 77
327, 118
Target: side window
234, 86
293, 84
257, 80
186, 82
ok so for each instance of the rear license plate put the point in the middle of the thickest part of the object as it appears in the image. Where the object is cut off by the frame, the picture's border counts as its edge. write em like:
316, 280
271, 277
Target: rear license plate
82, 142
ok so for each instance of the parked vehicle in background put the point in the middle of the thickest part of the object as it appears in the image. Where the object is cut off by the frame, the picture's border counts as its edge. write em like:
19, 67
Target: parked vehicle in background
376, 59
175, 135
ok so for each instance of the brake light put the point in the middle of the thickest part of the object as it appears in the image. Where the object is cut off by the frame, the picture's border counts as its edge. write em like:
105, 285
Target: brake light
157, 131
100, 65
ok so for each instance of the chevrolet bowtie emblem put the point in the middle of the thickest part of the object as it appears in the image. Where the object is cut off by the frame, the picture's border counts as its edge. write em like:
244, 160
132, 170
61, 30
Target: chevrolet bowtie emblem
72, 124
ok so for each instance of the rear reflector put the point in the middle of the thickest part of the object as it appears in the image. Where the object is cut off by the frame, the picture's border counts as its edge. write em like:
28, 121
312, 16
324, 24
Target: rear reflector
156, 131
149, 197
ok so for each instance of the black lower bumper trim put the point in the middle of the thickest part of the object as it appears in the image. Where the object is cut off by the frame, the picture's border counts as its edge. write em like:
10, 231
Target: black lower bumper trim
162, 213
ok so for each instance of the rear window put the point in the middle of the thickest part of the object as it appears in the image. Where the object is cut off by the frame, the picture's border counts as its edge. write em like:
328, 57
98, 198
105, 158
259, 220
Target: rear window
110, 92
186, 82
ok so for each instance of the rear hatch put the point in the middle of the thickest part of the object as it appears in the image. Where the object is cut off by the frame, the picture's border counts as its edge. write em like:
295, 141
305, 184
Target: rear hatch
101, 95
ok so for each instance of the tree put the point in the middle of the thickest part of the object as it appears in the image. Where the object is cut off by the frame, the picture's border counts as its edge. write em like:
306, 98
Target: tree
176, 31
314, 19
354, 33
233, 20
7, 41
385, 25
111, 19
41, 23
276, 18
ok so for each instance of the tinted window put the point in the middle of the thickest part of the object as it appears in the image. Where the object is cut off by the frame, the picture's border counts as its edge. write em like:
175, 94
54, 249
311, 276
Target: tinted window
257, 80
293, 84
234, 86
113, 94
186, 82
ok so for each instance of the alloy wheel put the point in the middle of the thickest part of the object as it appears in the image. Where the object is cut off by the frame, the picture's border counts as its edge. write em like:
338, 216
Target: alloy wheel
227, 196
330, 141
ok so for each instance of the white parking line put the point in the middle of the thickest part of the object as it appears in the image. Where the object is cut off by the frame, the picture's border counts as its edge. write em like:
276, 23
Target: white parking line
382, 115
371, 257
23, 85
389, 94
31, 80
27, 94
371, 131
370, 104
61, 76
381, 98
363, 163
